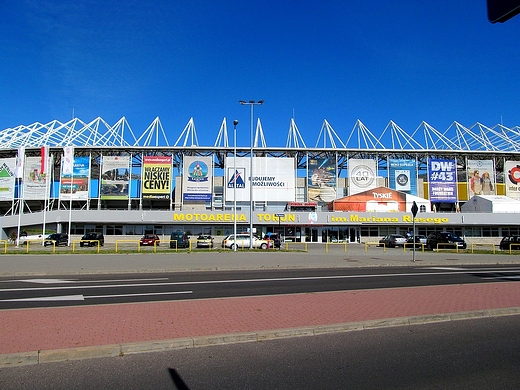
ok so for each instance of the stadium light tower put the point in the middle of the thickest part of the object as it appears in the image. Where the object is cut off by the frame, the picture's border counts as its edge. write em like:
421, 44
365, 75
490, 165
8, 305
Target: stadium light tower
235, 123
252, 104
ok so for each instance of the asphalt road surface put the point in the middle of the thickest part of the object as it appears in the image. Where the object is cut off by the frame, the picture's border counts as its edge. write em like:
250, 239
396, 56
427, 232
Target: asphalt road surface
25, 292
468, 354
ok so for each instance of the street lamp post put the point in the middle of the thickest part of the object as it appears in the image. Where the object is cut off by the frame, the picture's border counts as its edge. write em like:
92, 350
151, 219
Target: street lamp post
252, 104
235, 123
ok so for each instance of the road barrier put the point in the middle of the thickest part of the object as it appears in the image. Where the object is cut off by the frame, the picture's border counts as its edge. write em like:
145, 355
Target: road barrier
129, 241
449, 245
484, 245
176, 245
369, 244
412, 244
87, 241
511, 247
335, 243
305, 245
5, 245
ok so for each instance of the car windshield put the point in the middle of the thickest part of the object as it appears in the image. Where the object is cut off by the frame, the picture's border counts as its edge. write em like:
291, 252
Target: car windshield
452, 236
149, 236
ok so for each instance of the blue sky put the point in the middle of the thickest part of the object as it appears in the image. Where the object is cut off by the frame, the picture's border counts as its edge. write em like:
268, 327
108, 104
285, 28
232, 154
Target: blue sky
406, 61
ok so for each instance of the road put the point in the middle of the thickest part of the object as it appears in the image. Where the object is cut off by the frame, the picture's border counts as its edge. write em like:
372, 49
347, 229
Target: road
470, 354
26, 292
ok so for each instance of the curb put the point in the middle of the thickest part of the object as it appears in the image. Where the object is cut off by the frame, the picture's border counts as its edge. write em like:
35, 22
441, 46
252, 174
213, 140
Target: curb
113, 350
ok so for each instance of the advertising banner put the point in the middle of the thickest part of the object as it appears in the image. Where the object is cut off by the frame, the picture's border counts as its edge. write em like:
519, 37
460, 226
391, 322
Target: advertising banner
512, 179
380, 199
442, 179
75, 185
362, 175
481, 177
115, 176
197, 178
402, 175
34, 181
7, 176
321, 181
273, 179
156, 180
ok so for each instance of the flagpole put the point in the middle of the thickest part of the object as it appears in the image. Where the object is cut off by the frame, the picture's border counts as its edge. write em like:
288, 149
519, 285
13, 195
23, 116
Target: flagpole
45, 200
70, 202
44, 169
20, 200
20, 167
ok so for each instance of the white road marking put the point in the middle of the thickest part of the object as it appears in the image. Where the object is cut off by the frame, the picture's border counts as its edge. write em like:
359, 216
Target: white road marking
138, 295
45, 281
83, 297
47, 299
447, 268
57, 281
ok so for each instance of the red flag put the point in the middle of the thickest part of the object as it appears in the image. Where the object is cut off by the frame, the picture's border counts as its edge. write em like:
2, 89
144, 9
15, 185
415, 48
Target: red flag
45, 158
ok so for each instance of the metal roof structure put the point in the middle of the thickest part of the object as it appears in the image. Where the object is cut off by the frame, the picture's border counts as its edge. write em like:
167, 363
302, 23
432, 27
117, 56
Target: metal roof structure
425, 138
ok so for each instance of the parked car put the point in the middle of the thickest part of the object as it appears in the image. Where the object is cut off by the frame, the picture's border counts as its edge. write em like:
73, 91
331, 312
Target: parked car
179, 239
204, 241
57, 238
510, 242
274, 240
444, 240
150, 239
31, 238
92, 239
392, 240
243, 241
419, 241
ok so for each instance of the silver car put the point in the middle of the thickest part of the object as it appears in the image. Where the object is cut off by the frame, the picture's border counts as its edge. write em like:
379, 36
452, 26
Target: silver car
392, 240
242, 241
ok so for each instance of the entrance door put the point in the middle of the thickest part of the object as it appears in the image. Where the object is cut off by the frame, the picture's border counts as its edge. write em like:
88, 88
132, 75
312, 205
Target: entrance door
314, 235
353, 234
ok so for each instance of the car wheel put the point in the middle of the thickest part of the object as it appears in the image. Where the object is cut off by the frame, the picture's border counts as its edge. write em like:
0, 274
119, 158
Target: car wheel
263, 246
233, 247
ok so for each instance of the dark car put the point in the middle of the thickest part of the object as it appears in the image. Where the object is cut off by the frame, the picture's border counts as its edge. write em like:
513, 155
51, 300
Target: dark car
419, 241
92, 239
510, 243
393, 240
274, 240
179, 239
57, 238
444, 240
150, 239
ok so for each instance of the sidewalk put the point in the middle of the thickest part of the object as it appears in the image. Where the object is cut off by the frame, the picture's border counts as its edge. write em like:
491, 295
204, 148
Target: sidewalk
56, 334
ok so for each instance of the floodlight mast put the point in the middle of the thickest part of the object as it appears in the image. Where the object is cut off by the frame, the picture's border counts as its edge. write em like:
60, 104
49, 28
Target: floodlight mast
252, 104
235, 123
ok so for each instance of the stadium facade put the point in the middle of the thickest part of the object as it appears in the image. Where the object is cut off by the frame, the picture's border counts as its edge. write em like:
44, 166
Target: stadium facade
77, 177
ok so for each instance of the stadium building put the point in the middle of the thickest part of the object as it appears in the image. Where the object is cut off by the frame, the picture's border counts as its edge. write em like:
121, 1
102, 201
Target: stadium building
78, 177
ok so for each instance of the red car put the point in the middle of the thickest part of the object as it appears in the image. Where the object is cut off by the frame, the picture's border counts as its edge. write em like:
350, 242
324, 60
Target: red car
150, 239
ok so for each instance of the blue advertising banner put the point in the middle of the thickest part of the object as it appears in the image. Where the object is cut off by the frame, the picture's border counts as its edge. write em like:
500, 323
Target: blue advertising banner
442, 178
321, 180
75, 184
197, 178
402, 175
